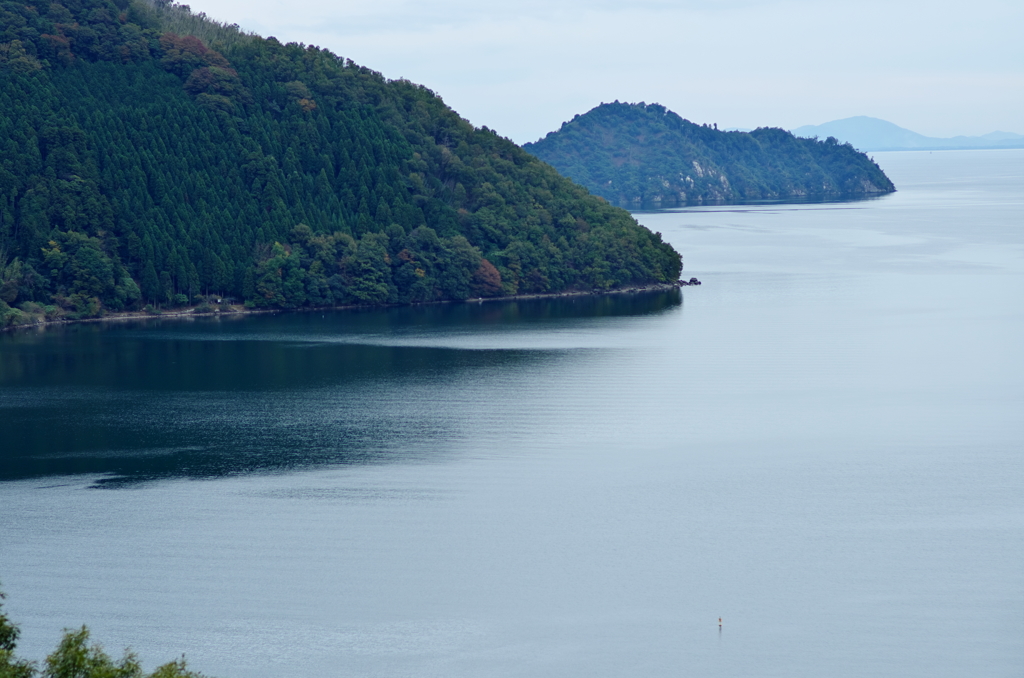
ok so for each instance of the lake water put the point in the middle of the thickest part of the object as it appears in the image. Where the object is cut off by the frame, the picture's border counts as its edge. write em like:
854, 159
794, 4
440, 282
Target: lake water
823, 445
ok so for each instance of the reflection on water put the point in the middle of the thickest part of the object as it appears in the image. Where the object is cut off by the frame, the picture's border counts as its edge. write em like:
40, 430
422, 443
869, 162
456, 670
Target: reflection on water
655, 207
223, 396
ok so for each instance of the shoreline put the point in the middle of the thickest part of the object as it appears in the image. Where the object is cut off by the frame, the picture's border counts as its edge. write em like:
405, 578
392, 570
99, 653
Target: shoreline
239, 310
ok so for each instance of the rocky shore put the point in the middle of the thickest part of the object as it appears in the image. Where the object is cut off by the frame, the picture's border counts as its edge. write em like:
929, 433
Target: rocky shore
205, 310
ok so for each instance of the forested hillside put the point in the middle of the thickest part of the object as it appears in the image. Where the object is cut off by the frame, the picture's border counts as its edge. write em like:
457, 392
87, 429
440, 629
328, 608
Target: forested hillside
153, 156
643, 155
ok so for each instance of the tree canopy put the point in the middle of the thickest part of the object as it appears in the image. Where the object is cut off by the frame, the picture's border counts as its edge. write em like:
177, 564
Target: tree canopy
644, 155
75, 657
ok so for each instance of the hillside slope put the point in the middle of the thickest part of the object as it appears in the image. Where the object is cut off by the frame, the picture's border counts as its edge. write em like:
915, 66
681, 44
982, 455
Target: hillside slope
640, 155
151, 155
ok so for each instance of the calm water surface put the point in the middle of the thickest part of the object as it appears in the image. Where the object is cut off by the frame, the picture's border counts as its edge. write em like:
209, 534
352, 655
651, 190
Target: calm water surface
822, 445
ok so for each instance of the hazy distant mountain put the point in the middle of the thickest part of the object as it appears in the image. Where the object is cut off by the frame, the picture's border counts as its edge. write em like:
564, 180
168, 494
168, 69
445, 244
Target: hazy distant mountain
872, 134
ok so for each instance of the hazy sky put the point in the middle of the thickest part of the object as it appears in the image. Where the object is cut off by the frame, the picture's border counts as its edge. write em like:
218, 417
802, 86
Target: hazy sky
522, 68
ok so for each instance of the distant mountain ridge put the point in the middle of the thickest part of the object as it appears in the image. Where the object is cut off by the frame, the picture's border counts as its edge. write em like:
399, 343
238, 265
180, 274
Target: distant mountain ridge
644, 155
872, 134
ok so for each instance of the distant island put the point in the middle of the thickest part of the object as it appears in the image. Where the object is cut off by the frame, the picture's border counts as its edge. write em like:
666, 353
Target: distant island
872, 134
644, 155
154, 158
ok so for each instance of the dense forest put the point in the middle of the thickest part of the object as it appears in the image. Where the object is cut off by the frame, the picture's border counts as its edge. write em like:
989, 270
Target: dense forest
644, 155
154, 157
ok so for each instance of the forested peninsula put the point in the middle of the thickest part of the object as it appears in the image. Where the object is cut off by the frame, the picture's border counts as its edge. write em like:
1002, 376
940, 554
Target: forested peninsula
644, 155
155, 158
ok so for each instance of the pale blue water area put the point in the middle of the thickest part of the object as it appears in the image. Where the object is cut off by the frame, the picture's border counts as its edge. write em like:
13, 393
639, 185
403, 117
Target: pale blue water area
823, 445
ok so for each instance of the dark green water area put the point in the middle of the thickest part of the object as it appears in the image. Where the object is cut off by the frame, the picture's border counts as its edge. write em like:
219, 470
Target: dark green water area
208, 397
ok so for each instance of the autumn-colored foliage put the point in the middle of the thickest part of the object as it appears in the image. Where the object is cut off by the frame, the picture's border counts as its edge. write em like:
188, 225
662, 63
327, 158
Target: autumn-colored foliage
486, 280
182, 54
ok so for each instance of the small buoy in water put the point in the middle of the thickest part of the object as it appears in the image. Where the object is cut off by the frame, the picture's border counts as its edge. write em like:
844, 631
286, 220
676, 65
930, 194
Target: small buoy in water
719, 622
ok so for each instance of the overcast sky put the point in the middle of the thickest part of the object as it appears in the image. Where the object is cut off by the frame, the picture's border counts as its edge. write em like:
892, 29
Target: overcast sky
522, 68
